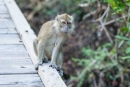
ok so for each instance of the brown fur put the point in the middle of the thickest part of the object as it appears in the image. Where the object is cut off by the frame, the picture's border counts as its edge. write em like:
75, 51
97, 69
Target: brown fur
46, 30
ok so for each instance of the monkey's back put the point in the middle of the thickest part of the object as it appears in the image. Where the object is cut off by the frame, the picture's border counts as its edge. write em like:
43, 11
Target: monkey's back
45, 36
46, 30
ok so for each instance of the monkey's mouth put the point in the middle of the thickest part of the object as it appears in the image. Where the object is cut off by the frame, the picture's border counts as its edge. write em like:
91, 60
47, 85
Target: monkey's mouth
65, 30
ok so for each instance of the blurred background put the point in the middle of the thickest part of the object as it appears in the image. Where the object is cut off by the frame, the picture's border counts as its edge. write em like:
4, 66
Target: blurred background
97, 54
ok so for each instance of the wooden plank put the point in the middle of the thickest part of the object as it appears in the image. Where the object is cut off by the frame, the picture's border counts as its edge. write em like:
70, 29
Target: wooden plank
17, 14
6, 23
50, 80
22, 80
13, 51
3, 9
16, 65
49, 76
1, 2
22, 85
10, 39
4, 16
8, 31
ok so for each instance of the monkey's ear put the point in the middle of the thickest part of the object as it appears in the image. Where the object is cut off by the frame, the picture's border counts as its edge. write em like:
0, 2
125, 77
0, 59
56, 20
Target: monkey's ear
72, 18
58, 18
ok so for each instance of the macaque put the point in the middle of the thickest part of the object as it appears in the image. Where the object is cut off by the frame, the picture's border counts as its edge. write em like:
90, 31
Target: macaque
51, 37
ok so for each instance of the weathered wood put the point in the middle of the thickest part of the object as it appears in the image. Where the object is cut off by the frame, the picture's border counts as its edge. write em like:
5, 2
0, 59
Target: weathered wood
17, 16
3, 9
23, 85
22, 80
10, 39
4, 16
1, 2
8, 31
49, 76
6, 23
13, 51
16, 68
16, 65
51, 79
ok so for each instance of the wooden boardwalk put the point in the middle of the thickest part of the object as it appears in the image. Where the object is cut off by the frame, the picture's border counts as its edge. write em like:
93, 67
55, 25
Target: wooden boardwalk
17, 53
16, 67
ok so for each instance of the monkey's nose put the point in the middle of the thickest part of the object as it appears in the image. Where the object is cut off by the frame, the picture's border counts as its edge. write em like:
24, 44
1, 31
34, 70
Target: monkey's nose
66, 27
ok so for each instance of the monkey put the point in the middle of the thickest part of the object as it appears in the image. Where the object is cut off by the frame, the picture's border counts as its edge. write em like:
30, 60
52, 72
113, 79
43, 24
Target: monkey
49, 42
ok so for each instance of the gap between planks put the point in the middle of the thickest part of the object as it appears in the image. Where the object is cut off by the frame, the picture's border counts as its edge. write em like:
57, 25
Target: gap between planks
12, 50
17, 65
33, 73
8, 31
28, 80
10, 39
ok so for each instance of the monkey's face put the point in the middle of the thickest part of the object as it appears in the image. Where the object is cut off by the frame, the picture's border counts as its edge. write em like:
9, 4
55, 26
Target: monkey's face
65, 22
65, 26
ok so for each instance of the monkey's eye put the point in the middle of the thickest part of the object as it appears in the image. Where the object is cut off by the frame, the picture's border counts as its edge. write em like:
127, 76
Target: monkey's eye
68, 22
63, 22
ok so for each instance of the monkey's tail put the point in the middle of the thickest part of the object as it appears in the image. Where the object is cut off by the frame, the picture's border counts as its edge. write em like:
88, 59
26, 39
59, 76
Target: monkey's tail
35, 43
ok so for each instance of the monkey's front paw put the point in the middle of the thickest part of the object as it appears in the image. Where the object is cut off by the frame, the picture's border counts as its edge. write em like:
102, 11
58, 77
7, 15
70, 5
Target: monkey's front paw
45, 60
54, 66
37, 65
60, 72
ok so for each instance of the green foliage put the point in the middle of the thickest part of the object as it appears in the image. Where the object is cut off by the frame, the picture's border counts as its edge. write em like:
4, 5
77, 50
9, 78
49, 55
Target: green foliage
127, 50
118, 5
62, 7
122, 37
109, 57
97, 60
126, 57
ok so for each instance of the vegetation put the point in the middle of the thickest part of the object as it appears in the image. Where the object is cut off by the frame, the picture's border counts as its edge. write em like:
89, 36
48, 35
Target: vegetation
98, 53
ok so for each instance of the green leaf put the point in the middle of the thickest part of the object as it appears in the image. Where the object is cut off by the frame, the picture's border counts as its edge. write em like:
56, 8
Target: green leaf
75, 59
88, 51
113, 51
115, 8
112, 2
128, 3
107, 45
106, 0
126, 57
128, 26
125, 29
128, 42
127, 50
121, 37
122, 6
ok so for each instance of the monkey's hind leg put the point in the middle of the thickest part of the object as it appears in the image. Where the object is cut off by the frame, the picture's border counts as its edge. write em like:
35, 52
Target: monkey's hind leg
59, 63
40, 55
45, 60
